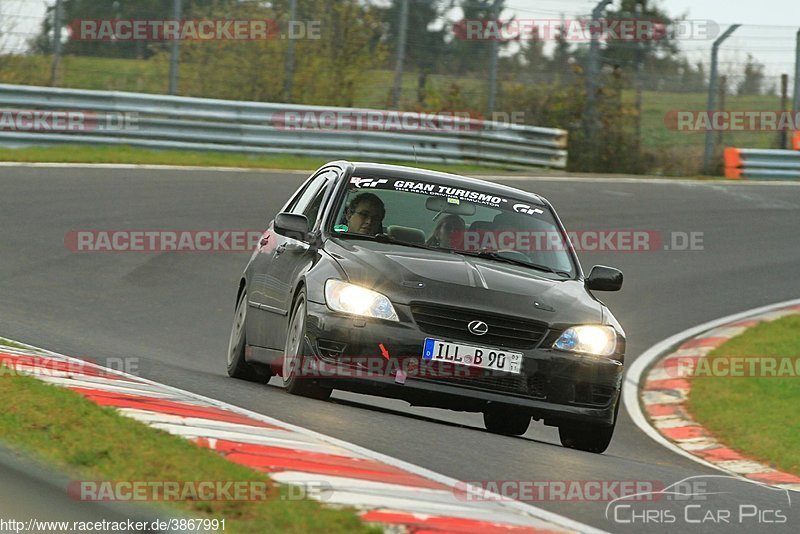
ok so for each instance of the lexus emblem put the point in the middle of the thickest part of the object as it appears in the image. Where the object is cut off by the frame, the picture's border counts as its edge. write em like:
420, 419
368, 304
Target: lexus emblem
478, 328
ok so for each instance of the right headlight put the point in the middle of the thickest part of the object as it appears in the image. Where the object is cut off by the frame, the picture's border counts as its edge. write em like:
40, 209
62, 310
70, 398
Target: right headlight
598, 340
351, 298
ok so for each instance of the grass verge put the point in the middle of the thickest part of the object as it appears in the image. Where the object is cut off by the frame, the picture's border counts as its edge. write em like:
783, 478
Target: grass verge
755, 415
8, 343
141, 156
90, 442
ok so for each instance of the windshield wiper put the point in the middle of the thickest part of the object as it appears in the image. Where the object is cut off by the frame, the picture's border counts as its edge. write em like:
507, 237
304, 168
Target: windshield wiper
496, 256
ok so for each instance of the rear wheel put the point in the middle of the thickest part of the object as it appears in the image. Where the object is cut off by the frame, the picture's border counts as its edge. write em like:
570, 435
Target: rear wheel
237, 365
587, 437
294, 355
507, 422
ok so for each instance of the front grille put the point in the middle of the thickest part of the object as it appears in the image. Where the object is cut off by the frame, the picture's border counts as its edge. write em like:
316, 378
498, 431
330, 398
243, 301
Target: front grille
505, 384
504, 331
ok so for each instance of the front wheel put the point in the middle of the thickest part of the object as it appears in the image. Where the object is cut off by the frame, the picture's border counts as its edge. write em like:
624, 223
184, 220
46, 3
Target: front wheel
585, 436
294, 355
237, 365
506, 422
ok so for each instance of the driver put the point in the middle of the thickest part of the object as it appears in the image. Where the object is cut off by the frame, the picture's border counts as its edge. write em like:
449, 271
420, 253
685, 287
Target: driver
364, 214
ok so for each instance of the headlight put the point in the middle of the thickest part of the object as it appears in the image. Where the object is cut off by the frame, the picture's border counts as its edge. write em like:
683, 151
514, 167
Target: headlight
588, 339
350, 298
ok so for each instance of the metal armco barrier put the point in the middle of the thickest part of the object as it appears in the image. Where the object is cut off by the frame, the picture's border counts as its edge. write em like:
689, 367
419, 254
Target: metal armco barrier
762, 164
169, 122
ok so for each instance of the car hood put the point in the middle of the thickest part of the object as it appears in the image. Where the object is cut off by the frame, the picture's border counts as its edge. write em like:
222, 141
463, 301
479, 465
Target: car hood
407, 275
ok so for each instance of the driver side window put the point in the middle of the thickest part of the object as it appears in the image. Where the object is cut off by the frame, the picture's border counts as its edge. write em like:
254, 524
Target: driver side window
309, 193
312, 211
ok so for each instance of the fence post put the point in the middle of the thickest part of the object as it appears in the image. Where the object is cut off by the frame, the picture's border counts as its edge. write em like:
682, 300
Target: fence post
722, 93
401, 54
493, 61
289, 81
590, 114
712, 94
796, 99
782, 135
55, 68
173, 60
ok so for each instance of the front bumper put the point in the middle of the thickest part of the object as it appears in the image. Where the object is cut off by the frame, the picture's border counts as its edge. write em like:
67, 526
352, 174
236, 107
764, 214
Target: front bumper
385, 358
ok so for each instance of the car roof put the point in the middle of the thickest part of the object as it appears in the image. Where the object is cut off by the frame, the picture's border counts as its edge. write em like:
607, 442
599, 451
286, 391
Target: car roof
365, 169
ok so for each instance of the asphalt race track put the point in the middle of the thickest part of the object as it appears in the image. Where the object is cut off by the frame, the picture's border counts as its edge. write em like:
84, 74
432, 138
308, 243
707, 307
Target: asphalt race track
172, 311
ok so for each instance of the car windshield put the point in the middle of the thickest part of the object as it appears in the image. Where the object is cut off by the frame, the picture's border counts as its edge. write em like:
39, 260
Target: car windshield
471, 222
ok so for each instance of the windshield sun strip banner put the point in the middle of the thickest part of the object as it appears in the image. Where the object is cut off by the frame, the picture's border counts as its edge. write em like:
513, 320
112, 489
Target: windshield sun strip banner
449, 192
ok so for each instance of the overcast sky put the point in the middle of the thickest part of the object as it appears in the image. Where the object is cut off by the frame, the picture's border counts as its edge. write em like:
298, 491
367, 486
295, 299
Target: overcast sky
769, 30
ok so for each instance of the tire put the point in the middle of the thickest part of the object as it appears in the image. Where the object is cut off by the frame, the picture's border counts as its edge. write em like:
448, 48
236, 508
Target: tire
507, 422
585, 436
294, 355
237, 366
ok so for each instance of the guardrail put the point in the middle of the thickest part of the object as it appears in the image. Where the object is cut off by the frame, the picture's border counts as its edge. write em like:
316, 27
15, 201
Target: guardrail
762, 164
169, 122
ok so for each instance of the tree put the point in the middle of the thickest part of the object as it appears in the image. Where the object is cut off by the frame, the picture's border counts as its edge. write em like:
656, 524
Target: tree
753, 77
329, 70
562, 54
77, 10
425, 44
42, 43
692, 79
532, 51
529, 63
656, 52
472, 56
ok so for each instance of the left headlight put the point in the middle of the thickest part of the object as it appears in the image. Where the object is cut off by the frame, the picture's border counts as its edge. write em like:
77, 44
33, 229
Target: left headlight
588, 339
351, 298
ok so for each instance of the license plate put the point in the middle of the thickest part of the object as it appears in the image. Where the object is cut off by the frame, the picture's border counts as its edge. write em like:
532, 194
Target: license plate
481, 357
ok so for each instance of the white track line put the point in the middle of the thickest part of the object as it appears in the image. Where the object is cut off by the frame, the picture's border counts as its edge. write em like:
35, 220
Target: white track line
633, 180
630, 387
147, 166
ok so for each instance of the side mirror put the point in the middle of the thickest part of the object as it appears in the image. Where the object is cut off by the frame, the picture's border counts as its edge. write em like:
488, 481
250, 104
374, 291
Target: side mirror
291, 225
604, 278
